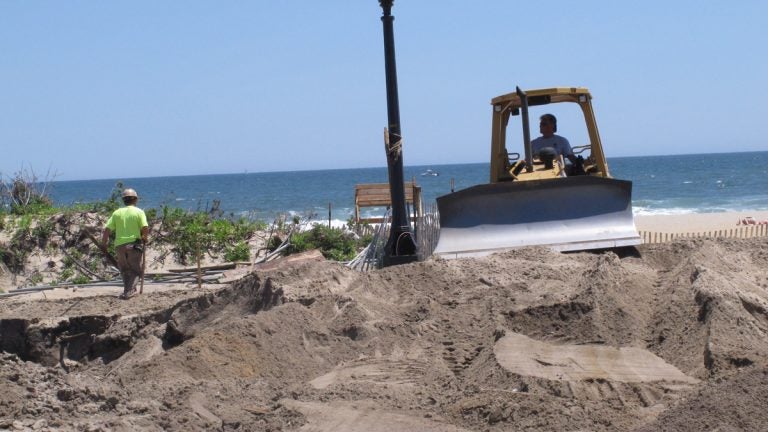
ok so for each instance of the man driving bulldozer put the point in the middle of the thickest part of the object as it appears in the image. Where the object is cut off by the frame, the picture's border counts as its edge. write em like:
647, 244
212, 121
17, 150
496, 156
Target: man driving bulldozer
548, 139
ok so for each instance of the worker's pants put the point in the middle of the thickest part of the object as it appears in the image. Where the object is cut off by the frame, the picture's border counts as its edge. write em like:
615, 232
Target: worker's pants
129, 263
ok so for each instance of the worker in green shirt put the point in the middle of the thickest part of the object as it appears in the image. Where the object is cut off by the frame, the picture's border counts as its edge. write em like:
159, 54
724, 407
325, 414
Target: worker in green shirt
130, 226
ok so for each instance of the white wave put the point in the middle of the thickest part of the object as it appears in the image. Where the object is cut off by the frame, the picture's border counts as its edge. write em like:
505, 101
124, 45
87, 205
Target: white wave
646, 211
335, 223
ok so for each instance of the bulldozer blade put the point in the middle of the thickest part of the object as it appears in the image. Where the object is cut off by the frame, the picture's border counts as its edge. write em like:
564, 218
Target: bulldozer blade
565, 214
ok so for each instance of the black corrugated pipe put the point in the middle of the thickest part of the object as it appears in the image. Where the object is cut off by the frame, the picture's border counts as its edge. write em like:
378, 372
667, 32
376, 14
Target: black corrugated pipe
400, 247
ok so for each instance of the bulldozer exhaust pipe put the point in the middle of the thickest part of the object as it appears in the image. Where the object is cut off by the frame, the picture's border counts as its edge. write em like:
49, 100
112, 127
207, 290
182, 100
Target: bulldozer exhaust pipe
400, 247
526, 129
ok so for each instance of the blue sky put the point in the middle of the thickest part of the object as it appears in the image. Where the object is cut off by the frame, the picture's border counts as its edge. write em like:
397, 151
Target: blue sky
145, 88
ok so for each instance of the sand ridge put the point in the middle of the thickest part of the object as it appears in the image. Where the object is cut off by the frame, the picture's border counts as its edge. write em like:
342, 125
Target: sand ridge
315, 346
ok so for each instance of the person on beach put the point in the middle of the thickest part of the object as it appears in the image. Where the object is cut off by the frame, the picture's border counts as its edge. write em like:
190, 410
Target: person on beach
749, 220
548, 139
129, 224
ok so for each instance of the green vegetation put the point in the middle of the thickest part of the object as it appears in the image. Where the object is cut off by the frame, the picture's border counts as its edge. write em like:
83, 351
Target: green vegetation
192, 234
238, 252
42, 231
24, 193
35, 278
334, 243
81, 279
32, 225
66, 274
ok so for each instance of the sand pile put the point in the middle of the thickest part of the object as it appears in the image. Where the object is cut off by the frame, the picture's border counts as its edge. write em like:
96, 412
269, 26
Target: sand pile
674, 338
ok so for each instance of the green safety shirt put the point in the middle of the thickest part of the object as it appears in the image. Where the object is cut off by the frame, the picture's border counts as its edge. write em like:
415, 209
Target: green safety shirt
126, 223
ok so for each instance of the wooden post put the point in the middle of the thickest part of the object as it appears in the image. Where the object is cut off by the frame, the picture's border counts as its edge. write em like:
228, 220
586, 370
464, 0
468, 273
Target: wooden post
199, 270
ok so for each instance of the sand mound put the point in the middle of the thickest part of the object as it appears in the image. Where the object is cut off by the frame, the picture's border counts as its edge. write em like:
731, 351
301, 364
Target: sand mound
525, 356
526, 340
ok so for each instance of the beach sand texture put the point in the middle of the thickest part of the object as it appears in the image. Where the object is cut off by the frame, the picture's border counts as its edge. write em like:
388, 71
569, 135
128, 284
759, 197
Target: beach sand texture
670, 338
697, 222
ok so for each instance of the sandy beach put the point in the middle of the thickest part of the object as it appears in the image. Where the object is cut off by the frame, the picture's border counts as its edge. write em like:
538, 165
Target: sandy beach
670, 338
695, 222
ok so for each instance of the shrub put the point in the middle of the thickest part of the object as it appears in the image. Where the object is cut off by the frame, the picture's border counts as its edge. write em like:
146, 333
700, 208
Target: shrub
334, 243
25, 193
189, 233
24, 224
238, 252
80, 279
35, 278
191, 237
66, 274
42, 232
274, 242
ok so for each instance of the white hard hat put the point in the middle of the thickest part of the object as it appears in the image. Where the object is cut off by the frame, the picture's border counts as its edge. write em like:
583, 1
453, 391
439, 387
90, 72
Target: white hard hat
130, 193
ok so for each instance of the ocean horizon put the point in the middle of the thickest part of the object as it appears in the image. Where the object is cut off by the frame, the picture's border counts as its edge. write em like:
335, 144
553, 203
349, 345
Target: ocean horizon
674, 184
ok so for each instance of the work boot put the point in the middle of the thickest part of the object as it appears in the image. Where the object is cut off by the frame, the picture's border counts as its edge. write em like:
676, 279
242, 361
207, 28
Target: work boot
129, 294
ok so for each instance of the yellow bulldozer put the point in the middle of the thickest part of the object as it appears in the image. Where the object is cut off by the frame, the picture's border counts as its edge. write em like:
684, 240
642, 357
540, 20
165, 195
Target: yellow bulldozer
539, 199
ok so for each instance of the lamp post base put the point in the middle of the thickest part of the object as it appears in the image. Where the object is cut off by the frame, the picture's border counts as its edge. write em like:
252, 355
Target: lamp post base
399, 259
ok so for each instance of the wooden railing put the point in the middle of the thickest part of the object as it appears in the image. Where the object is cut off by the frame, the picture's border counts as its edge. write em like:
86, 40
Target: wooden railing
747, 231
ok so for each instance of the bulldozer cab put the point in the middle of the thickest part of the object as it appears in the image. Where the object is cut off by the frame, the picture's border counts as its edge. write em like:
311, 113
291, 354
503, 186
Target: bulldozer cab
532, 201
516, 116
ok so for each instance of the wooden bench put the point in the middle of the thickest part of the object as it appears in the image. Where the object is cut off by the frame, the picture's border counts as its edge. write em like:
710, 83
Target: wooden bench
377, 195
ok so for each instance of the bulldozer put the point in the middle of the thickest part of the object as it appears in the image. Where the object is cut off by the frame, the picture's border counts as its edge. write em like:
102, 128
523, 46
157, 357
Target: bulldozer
539, 199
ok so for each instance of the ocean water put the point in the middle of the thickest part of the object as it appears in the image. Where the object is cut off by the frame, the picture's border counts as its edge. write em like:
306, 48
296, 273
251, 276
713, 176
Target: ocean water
661, 185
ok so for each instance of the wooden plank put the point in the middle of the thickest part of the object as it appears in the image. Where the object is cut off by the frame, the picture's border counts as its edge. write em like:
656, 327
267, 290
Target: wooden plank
378, 195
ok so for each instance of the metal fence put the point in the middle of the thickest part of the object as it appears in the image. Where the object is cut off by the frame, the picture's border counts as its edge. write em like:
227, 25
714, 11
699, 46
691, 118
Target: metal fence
373, 255
427, 229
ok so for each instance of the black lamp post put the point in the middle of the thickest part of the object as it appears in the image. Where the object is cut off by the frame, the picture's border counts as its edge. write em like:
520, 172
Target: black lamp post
400, 247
